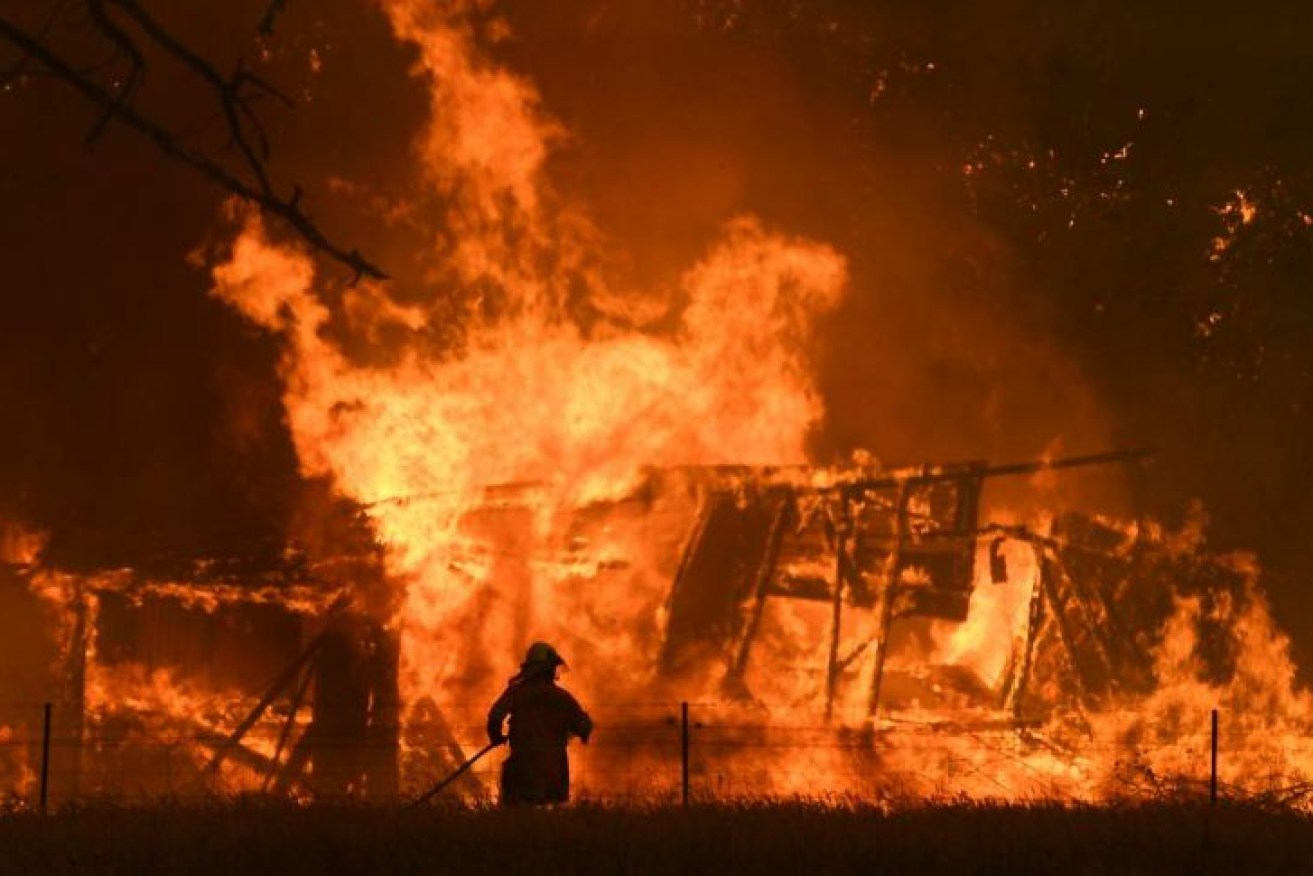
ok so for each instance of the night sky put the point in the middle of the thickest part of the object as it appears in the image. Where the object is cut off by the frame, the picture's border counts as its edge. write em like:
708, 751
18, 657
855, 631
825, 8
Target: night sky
1069, 227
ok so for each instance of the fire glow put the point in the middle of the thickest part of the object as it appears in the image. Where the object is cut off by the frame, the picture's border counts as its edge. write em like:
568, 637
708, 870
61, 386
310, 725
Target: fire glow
543, 477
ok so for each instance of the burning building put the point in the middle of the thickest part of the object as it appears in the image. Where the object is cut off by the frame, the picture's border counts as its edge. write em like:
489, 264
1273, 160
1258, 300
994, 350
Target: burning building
527, 447
844, 616
180, 676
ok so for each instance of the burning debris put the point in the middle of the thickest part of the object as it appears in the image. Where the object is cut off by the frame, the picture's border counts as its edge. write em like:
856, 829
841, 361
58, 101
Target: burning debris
654, 510
850, 618
155, 677
898, 544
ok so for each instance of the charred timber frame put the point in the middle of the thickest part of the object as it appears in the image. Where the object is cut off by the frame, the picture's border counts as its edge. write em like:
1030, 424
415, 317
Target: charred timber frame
914, 542
363, 719
760, 588
304, 663
77, 681
307, 675
1017, 673
366, 651
1053, 596
840, 529
888, 593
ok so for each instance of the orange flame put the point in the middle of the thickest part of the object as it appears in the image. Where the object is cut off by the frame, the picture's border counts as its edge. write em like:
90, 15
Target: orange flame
483, 468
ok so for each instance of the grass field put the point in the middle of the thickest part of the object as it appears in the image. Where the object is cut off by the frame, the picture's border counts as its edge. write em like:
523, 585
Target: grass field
253, 837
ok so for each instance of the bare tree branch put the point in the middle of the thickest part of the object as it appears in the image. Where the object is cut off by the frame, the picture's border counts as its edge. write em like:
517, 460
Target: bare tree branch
124, 46
271, 13
234, 95
20, 67
227, 91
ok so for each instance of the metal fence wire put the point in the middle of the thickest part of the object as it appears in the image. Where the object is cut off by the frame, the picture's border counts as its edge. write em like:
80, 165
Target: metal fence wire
667, 752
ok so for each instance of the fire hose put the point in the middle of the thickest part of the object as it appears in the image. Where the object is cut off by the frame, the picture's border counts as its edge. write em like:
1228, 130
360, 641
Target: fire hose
457, 773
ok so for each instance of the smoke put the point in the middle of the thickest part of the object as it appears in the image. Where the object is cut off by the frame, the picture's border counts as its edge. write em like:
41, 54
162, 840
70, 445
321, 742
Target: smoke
625, 238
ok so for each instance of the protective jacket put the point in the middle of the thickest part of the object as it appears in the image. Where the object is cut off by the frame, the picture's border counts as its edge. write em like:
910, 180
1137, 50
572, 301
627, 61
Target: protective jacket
543, 718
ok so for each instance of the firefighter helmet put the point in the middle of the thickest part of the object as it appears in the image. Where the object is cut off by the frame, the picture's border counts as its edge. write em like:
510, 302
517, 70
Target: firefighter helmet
542, 654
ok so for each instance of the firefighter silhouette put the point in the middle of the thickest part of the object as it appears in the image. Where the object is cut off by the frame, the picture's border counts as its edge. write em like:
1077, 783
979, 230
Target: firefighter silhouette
543, 717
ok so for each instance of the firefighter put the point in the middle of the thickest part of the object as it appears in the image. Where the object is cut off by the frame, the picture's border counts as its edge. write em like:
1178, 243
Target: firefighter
543, 718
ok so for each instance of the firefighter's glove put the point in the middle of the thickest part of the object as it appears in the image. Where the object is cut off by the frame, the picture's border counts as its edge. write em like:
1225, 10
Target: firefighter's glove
496, 738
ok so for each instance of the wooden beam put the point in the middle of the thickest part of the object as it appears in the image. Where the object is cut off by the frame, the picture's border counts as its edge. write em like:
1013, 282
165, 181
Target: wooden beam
289, 675
842, 529
760, 590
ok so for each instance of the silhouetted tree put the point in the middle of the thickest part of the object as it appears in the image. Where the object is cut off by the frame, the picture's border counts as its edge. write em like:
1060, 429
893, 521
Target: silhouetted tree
102, 49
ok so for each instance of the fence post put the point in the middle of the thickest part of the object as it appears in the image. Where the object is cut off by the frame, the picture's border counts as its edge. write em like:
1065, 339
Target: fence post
1212, 780
683, 749
45, 759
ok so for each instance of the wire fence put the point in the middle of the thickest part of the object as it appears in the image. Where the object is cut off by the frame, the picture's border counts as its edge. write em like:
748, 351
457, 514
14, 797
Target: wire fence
656, 752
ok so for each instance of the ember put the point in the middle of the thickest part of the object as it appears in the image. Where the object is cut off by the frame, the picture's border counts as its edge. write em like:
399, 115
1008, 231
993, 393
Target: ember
522, 442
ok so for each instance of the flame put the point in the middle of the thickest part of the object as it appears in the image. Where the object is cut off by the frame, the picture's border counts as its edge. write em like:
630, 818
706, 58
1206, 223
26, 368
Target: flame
19, 779
20, 545
573, 412
1264, 713
509, 476
174, 725
996, 616
1235, 213
532, 397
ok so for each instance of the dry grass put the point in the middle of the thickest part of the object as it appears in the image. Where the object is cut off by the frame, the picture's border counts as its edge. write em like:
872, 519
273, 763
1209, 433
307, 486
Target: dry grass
250, 837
